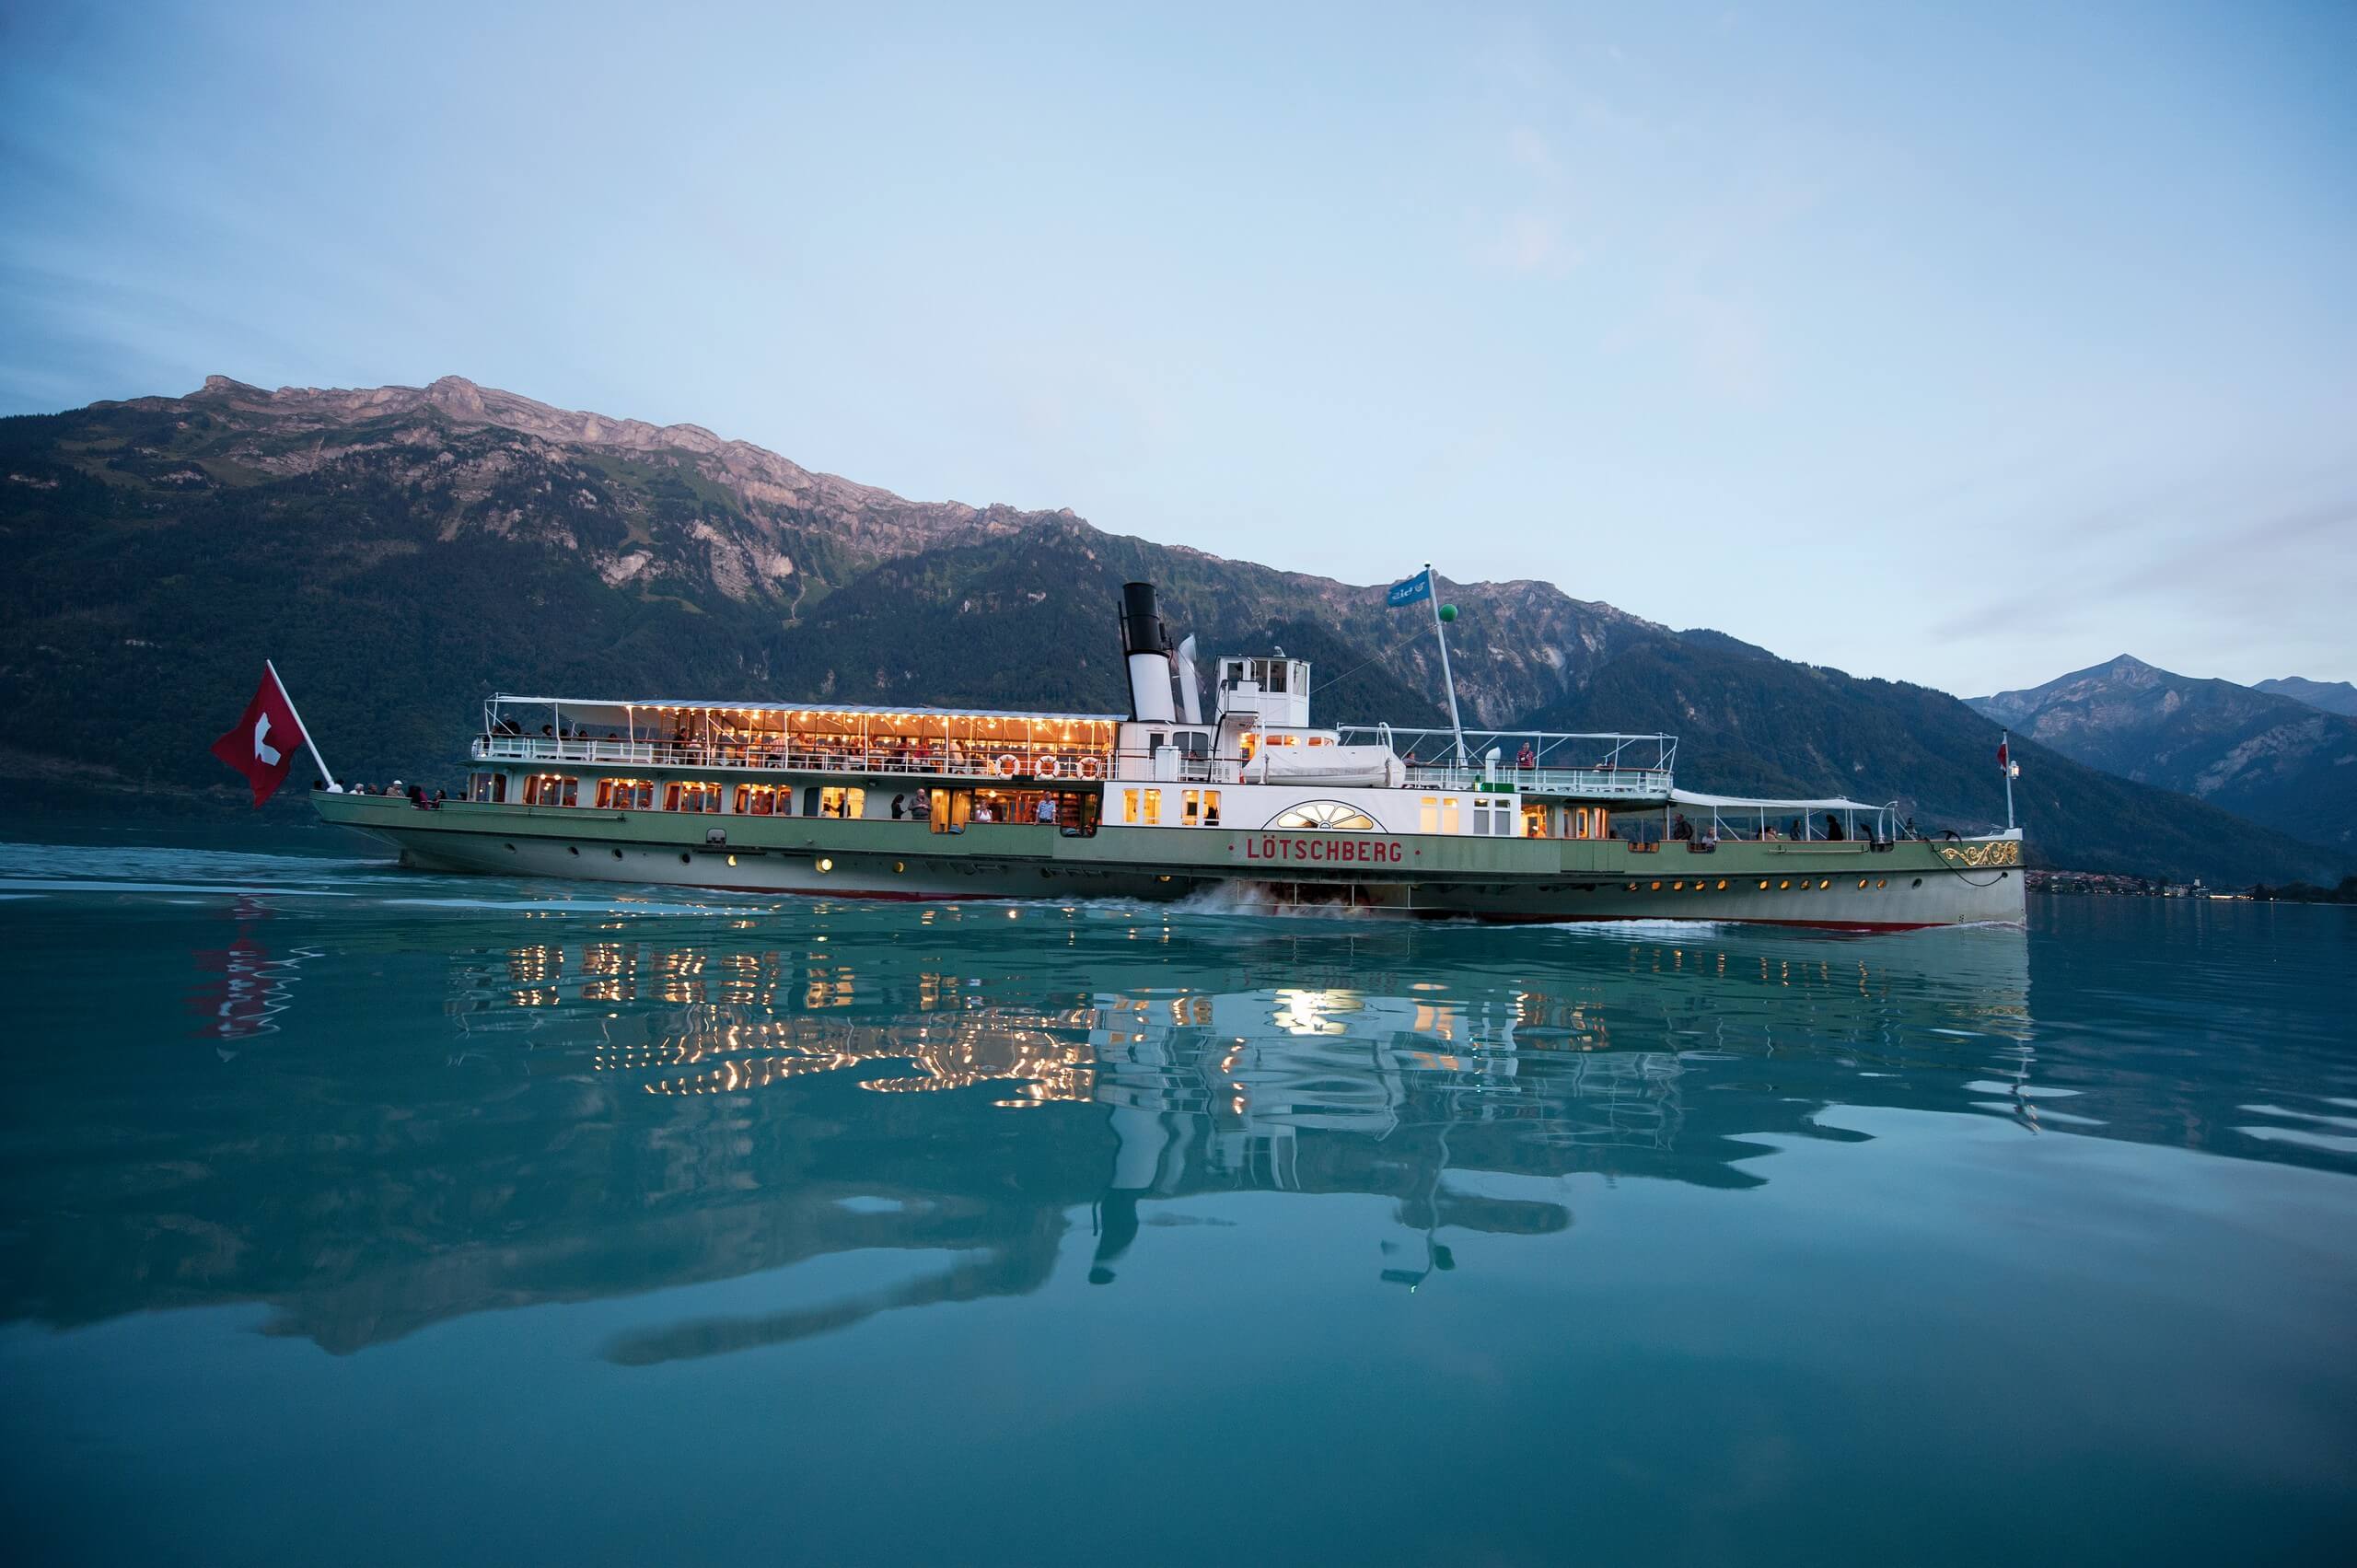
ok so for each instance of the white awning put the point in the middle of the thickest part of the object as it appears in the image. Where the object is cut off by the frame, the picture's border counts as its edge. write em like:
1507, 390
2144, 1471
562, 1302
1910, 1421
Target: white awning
1741, 803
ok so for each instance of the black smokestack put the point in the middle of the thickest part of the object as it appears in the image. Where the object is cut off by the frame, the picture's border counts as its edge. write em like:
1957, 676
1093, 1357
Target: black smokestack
1141, 621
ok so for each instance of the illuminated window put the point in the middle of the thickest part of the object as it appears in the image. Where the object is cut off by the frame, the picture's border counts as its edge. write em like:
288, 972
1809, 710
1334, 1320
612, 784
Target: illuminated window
1324, 814
1448, 813
1428, 814
839, 802
552, 789
756, 800
626, 795
688, 795
1201, 809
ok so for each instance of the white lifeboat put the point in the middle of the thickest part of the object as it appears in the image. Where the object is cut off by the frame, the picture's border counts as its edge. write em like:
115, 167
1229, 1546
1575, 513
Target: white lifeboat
1374, 766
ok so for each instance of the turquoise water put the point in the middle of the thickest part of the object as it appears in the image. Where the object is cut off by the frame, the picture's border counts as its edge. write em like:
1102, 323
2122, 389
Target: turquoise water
353, 1215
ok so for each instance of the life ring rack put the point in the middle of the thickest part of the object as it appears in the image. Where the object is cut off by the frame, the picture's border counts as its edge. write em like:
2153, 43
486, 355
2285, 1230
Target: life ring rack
1045, 767
1006, 767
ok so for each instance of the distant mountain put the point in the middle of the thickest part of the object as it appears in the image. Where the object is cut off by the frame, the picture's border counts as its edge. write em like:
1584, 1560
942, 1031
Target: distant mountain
2332, 696
404, 551
2270, 759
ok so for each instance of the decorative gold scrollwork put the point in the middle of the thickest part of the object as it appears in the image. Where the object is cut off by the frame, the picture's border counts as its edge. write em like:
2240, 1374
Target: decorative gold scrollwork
1994, 852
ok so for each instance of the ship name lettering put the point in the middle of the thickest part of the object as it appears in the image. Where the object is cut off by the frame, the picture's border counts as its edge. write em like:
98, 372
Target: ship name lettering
1390, 852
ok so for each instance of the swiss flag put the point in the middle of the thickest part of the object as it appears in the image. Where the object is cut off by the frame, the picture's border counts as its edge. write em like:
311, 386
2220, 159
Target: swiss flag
264, 744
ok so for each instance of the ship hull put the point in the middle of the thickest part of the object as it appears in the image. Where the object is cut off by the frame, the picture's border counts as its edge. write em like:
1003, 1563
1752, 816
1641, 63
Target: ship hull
1841, 884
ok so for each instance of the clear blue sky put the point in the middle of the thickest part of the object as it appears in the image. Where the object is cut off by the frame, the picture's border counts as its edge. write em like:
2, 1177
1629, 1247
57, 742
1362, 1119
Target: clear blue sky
1965, 344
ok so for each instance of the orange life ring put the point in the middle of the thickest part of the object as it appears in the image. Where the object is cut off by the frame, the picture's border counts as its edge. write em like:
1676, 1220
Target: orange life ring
1045, 767
1006, 767
1088, 768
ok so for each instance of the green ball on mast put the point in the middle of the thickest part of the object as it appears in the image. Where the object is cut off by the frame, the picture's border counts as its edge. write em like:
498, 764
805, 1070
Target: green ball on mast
1449, 613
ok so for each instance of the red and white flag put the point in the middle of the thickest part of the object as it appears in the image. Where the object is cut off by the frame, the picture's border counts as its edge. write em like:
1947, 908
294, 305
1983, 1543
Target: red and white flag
2005, 753
264, 744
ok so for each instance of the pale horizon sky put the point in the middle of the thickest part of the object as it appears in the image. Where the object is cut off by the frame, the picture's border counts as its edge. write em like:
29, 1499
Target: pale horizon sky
1965, 346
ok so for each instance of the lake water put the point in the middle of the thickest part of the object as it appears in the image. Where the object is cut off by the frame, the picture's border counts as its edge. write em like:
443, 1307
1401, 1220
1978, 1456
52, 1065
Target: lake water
353, 1215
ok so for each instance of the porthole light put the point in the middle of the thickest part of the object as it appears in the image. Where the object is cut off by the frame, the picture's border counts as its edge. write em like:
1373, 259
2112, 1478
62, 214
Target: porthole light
1674, 887
1656, 887
1825, 882
1722, 885
1881, 882
1763, 884
1632, 887
732, 860
1861, 881
900, 865
1780, 886
825, 865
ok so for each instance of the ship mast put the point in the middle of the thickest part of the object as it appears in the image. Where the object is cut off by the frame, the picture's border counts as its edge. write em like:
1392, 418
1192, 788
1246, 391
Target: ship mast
1439, 631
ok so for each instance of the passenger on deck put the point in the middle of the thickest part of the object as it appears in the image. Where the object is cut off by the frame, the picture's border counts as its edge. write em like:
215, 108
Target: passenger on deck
1832, 826
1684, 830
1047, 808
899, 806
1526, 758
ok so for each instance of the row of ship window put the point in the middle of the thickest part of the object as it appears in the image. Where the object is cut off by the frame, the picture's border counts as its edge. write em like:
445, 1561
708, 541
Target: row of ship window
683, 795
1781, 884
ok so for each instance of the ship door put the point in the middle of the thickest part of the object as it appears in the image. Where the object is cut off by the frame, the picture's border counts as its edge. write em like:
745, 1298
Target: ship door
1076, 813
950, 810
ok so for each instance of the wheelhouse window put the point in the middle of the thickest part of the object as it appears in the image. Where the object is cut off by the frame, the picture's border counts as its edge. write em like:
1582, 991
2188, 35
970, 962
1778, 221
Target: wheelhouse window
626, 795
552, 789
1333, 815
1200, 809
692, 796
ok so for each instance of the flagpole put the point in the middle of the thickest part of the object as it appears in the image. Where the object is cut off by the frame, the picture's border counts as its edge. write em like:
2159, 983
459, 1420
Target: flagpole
307, 741
2004, 749
1431, 584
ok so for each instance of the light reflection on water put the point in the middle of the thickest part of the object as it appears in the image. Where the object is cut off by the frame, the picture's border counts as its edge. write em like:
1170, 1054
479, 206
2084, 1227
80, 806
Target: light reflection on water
736, 1126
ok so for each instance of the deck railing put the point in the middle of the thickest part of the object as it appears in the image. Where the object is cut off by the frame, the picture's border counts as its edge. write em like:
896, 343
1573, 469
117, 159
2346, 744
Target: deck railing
1012, 760
1589, 783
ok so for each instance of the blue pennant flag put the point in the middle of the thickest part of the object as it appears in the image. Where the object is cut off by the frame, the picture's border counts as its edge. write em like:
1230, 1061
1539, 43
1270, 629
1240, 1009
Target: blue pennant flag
1418, 587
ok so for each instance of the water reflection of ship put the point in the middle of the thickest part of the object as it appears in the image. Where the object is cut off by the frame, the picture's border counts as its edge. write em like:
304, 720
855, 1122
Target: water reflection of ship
791, 1105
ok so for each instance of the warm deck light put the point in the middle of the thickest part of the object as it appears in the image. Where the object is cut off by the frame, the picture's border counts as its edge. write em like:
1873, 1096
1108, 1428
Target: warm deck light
825, 865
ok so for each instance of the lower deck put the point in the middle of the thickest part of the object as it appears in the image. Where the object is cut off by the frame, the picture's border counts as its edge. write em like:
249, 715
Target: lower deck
1849, 883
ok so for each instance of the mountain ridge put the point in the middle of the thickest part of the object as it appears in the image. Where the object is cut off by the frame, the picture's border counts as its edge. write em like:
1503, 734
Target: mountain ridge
416, 547
2272, 758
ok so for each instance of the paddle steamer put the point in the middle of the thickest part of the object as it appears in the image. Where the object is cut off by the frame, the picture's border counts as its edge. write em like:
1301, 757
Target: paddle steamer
1165, 802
